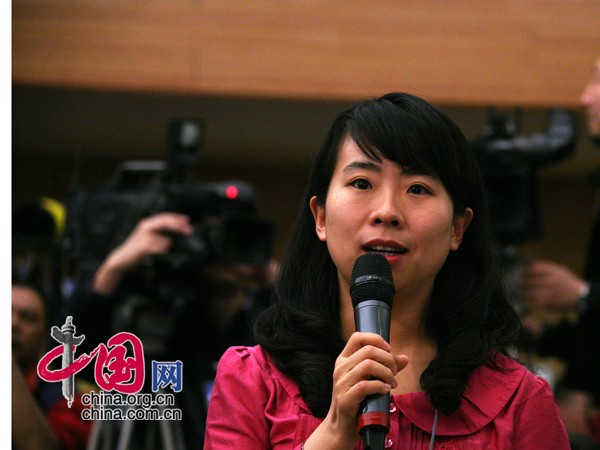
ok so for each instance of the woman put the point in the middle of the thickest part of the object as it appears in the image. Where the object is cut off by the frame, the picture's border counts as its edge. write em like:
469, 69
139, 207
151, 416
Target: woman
397, 177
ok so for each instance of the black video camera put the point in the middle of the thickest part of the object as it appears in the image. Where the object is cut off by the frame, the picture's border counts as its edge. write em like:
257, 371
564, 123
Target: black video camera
224, 216
509, 165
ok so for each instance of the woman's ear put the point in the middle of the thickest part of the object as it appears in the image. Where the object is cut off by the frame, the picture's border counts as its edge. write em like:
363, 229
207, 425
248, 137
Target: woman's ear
318, 212
459, 226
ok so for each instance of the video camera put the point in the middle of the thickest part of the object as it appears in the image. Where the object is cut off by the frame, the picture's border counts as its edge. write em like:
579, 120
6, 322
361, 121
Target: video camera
509, 164
223, 214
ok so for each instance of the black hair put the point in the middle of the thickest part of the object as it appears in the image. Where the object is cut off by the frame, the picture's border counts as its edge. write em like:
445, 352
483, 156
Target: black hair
468, 314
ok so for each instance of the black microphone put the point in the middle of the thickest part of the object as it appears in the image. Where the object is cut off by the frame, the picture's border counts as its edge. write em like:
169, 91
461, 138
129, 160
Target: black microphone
372, 292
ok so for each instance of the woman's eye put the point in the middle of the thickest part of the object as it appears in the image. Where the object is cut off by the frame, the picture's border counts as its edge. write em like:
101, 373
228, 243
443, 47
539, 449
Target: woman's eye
361, 184
418, 189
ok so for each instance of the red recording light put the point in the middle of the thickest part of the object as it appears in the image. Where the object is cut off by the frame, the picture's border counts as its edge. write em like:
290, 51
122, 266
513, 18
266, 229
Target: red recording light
231, 192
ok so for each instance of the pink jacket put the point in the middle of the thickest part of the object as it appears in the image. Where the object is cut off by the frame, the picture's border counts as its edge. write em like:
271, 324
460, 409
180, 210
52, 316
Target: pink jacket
254, 406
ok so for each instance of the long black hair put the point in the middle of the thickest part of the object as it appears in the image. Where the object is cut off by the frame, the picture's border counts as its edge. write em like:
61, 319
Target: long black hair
468, 314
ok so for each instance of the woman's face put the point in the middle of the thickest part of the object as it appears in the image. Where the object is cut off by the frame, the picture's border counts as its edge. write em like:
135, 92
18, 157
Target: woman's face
377, 207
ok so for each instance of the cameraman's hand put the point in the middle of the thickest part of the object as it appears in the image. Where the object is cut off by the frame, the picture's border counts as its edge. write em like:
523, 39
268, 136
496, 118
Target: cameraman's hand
149, 238
551, 285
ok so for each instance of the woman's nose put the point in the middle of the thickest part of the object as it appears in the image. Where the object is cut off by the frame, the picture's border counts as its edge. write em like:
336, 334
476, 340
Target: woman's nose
387, 210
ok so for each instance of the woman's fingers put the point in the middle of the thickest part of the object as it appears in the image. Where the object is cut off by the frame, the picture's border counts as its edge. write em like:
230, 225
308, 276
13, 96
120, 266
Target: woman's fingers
367, 346
366, 367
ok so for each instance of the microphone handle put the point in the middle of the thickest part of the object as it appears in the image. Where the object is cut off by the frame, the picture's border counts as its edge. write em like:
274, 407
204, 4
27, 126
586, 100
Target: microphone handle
373, 316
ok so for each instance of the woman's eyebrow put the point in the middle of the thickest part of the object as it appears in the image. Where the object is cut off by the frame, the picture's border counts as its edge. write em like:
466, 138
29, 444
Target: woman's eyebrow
362, 165
412, 172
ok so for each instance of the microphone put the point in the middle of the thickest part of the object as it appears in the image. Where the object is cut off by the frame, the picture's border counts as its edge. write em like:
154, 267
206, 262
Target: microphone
372, 293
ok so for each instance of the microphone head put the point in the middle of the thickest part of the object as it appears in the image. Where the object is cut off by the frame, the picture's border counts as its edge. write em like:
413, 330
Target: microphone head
372, 279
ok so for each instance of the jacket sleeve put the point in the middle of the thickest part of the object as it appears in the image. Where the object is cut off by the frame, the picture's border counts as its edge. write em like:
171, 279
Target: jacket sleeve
236, 412
539, 424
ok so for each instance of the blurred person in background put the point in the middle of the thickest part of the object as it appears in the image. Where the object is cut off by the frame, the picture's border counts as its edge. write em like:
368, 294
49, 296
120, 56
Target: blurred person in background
205, 308
548, 284
41, 417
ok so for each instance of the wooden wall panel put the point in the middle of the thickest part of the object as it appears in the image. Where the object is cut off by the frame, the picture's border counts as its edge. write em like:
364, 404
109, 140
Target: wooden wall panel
466, 52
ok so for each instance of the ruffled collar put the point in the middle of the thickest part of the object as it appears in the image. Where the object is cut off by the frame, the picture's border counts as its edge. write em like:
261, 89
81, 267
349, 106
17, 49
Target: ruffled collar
488, 392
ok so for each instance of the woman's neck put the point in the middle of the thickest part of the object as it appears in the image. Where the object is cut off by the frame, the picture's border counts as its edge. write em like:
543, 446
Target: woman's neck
407, 316
420, 348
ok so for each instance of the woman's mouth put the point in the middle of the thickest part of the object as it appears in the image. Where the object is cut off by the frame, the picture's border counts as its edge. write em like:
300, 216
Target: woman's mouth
385, 250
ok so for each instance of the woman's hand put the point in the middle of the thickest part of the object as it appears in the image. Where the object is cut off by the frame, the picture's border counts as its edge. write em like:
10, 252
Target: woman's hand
364, 367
